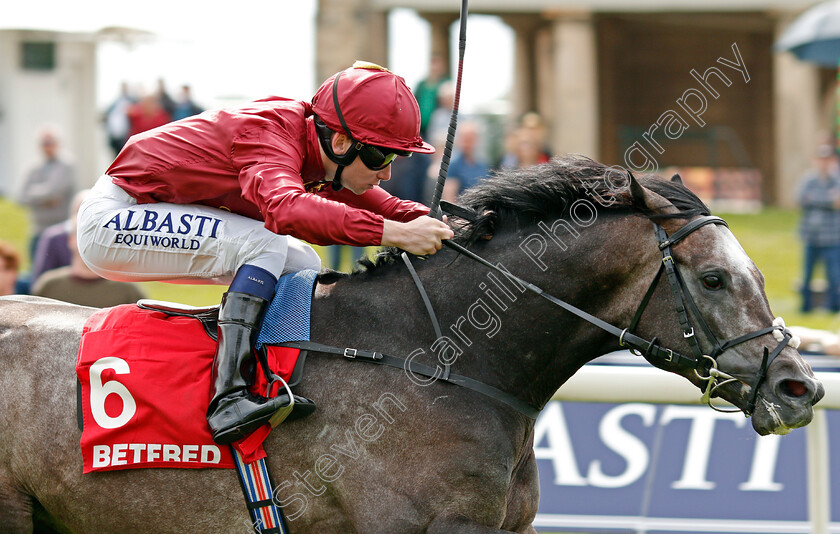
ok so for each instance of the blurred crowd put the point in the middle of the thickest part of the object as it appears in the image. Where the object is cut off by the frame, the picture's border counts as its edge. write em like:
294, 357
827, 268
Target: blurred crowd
52, 199
136, 112
50, 191
474, 155
51, 196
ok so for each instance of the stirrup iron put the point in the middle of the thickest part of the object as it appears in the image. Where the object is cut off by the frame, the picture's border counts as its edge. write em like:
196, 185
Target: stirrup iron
281, 414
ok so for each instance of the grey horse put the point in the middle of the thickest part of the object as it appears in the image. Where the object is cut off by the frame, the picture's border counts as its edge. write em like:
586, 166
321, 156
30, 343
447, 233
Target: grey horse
390, 451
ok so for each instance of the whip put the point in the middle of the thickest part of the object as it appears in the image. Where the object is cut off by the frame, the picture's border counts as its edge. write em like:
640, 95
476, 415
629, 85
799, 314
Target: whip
453, 121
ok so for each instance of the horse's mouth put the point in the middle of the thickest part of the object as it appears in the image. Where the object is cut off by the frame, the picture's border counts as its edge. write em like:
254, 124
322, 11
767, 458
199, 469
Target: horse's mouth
770, 418
771, 422
794, 408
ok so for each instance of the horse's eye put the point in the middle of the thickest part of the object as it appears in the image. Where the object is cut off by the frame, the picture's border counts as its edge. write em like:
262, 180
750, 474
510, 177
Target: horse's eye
712, 281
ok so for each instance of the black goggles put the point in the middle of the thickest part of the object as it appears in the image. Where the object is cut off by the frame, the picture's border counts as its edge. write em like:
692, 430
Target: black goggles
377, 158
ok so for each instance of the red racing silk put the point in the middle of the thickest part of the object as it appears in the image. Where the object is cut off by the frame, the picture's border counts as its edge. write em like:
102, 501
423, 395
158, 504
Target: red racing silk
261, 160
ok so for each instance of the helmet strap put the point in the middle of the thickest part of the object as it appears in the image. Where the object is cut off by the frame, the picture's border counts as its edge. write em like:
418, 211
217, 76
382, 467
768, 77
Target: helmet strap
342, 160
338, 107
336, 183
325, 136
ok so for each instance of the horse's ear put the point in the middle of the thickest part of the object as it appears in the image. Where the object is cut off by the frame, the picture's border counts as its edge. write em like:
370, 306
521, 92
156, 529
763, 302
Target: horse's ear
676, 179
637, 192
644, 197
484, 225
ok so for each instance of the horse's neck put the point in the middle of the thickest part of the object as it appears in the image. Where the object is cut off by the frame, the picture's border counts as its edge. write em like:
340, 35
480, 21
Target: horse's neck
520, 342
501, 333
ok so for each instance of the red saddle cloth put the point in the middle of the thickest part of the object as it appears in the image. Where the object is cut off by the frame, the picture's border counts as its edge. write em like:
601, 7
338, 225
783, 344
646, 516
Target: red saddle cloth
145, 388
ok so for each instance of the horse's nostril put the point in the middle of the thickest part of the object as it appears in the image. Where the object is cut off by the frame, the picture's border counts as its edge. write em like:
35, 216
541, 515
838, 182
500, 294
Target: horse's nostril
793, 388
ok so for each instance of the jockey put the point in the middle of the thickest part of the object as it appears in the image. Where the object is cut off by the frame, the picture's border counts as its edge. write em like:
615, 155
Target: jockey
226, 196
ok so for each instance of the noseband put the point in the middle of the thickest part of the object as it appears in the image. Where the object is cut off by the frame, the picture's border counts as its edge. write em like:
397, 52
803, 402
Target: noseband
704, 365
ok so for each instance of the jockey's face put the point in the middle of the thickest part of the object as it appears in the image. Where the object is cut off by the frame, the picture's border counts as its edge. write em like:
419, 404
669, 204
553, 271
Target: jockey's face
357, 177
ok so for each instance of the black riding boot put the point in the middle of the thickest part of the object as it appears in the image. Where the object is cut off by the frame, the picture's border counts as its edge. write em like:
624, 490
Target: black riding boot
234, 412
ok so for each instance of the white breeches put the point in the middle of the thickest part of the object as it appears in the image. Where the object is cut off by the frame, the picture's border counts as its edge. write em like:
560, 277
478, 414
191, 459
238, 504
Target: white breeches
122, 240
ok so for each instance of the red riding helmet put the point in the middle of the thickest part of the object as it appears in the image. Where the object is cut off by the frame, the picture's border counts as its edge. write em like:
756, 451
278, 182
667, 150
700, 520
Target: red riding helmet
376, 106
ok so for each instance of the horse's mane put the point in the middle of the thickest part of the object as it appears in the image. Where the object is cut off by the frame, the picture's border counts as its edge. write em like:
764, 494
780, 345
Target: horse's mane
517, 198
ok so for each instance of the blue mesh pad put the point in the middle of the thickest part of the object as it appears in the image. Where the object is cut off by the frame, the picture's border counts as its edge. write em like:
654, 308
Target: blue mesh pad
287, 318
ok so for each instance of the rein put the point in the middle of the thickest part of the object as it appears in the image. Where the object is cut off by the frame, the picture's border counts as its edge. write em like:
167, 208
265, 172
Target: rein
652, 350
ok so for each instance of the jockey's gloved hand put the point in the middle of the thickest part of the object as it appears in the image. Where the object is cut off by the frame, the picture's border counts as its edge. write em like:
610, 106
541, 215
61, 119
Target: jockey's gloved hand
423, 235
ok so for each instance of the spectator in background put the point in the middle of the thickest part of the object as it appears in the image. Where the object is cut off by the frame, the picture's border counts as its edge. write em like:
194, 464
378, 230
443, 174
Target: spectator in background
534, 130
438, 125
467, 167
185, 107
409, 182
9, 266
77, 284
117, 125
47, 189
427, 91
146, 114
164, 99
528, 152
436, 131
53, 248
819, 198
411, 174
525, 146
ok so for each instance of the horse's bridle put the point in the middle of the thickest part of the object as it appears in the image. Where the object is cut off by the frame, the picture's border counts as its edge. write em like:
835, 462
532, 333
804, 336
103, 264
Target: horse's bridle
665, 358
685, 306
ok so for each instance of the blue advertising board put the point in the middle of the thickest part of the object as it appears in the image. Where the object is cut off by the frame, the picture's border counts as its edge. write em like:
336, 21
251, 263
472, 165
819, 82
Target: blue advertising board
637, 467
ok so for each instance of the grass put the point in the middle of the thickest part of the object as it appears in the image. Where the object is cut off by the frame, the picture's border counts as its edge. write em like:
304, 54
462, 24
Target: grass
769, 238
